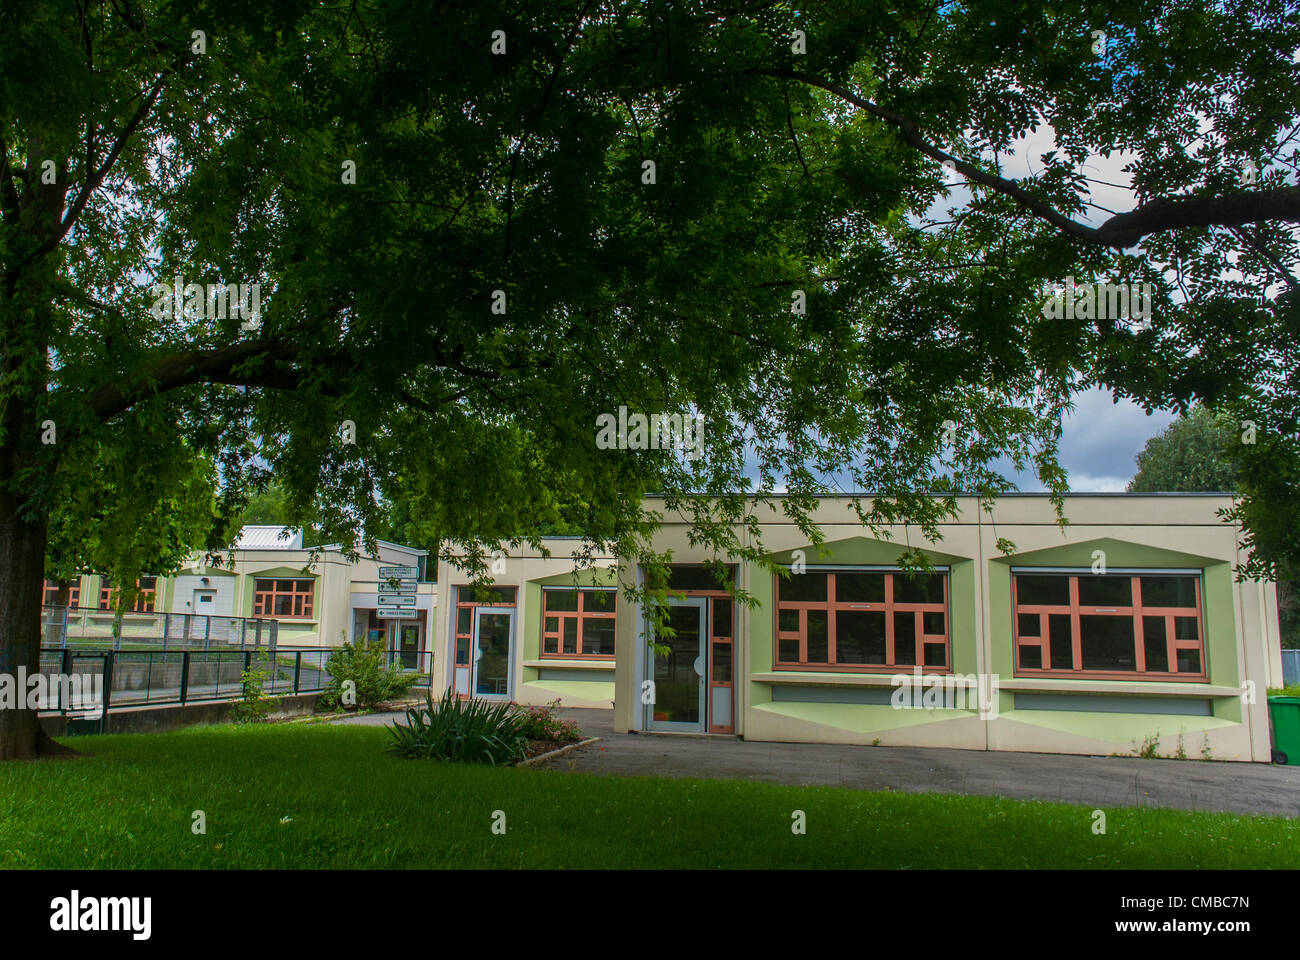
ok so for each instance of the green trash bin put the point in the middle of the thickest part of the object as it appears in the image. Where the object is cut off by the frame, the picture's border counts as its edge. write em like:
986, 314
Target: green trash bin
1285, 714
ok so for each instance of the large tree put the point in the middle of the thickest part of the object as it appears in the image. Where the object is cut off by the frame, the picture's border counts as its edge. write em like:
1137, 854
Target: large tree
479, 226
1205, 452
1190, 455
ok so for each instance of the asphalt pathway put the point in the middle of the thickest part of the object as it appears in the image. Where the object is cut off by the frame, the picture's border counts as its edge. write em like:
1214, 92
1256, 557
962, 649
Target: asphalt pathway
1251, 788
1247, 788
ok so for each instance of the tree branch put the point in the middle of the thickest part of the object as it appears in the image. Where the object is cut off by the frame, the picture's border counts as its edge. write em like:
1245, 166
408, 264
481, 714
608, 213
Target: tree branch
1251, 239
523, 141
185, 369
94, 179
10, 200
1122, 230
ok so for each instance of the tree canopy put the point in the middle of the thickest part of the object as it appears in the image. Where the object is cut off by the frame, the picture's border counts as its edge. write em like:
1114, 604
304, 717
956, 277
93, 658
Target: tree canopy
1191, 455
472, 229
1200, 452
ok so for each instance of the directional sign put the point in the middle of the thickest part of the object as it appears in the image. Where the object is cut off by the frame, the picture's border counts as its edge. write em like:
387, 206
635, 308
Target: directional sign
388, 573
396, 612
402, 587
397, 601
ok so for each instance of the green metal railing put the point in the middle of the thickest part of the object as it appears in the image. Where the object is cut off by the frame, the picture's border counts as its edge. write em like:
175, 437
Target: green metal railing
133, 678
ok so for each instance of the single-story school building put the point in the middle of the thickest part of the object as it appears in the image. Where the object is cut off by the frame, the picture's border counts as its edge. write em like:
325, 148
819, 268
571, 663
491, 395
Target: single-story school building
1122, 630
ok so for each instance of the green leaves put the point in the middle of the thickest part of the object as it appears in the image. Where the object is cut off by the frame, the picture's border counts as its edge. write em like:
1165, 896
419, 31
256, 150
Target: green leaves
462, 731
359, 677
1191, 455
521, 172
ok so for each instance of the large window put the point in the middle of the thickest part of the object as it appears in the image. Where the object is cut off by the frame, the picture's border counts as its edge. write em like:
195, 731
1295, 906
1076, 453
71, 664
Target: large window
50, 595
865, 620
283, 598
146, 592
1109, 625
578, 623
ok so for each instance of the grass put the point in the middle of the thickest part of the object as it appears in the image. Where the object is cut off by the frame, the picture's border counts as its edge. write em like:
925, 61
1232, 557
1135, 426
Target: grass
329, 797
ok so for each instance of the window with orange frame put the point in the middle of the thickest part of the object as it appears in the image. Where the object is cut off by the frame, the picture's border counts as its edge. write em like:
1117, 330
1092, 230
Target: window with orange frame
578, 623
146, 594
291, 599
50, 595
1117, 625
862, 620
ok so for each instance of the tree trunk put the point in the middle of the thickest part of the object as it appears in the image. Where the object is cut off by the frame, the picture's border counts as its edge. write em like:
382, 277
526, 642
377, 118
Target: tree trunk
22, 576
26, 318
23, 536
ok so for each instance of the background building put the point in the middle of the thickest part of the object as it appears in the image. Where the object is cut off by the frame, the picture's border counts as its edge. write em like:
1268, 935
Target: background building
318, 601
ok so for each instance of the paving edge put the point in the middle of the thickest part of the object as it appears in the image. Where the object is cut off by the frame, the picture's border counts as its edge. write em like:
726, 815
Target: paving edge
555, 753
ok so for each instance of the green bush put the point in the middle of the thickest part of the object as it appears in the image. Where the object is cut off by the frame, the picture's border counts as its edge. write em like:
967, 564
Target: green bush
465, 731
360, 678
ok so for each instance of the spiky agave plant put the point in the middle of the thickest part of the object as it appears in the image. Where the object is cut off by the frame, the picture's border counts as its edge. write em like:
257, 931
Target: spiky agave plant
462, 731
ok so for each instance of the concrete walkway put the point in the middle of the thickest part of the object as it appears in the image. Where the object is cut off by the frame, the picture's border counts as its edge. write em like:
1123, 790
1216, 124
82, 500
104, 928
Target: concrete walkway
1103, 782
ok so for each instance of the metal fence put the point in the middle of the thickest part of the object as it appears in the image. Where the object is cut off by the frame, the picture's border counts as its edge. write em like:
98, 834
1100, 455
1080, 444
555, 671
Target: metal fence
133, 678
1290, 667
68, 626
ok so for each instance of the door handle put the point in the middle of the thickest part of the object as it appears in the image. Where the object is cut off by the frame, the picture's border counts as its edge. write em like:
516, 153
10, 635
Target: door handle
699, 666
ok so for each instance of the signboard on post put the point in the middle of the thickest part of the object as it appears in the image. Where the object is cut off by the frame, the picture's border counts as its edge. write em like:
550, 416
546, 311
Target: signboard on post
397, 589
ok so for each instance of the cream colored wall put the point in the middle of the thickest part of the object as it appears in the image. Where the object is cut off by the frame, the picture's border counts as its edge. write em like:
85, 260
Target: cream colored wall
1187, 525
1181, 524
522, 565
331, 622
1184, 524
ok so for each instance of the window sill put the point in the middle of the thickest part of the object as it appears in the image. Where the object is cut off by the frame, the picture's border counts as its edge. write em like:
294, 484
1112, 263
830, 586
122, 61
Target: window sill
1170, 688
830, 679
570, 664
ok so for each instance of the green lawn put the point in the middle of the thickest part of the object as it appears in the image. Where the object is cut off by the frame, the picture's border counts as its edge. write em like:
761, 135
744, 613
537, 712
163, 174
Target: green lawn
327, 796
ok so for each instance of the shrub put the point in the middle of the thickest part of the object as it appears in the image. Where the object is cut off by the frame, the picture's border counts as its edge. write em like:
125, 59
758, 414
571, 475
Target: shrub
464, 731
360, 668
541, 723
253, 706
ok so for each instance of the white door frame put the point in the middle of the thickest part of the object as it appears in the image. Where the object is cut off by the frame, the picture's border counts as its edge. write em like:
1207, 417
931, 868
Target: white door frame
476, 653
701, 604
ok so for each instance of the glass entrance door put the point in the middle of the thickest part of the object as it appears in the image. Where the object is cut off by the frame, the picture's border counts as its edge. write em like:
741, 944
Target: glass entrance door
492, 632
679, 676
410, 645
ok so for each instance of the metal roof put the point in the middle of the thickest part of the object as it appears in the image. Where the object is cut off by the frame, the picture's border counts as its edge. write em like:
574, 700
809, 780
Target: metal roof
269, 538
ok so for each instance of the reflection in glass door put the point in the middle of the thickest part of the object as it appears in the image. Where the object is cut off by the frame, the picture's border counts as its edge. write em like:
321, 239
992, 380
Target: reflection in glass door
679, 675
492, 652
410, 645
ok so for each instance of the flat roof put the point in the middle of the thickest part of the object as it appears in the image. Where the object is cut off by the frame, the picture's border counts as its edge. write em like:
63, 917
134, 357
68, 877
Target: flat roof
1016, 493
